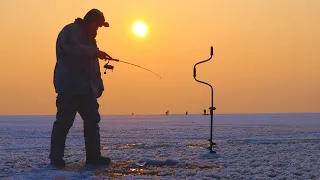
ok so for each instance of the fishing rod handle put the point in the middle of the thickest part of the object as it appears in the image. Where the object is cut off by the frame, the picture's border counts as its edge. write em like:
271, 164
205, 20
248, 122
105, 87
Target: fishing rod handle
108, 59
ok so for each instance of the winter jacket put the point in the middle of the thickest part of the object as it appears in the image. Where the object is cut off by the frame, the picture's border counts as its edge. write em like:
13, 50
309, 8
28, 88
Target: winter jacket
77, 69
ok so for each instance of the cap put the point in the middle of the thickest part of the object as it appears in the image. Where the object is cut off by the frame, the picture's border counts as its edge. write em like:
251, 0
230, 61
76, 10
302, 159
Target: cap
96, 16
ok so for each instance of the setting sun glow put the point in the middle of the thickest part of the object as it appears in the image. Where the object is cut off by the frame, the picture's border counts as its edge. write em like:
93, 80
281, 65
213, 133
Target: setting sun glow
265, 61
139, 28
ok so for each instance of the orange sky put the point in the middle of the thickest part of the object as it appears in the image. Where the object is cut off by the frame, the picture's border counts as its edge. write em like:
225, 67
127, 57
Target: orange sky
266, 55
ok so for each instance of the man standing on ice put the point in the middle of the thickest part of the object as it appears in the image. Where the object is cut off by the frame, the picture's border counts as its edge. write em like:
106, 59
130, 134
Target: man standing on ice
78, 84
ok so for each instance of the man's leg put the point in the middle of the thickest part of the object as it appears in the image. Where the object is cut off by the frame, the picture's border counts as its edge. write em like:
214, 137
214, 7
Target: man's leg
89, 111
66, 110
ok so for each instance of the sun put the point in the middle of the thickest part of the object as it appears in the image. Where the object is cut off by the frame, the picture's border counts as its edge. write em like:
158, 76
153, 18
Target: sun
139, 28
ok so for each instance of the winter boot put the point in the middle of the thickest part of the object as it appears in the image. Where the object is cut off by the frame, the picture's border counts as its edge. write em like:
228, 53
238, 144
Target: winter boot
98, 161
59, 162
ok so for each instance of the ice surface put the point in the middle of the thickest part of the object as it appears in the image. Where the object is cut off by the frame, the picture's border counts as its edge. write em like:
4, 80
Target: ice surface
256, 146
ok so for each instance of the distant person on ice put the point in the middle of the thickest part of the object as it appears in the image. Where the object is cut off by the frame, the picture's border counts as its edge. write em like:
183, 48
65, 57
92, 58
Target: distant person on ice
204, 112
78, 84
167, 112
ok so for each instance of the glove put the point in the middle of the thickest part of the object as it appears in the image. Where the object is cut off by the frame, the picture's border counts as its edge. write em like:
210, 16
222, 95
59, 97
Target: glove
103, 55
100, 91
99, 94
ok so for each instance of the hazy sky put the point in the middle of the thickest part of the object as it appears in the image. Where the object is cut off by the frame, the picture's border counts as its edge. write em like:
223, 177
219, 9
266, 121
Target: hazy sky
266, 58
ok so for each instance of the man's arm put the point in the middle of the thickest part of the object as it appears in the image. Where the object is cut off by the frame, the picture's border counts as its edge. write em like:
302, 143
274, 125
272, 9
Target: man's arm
69, 43
101, 54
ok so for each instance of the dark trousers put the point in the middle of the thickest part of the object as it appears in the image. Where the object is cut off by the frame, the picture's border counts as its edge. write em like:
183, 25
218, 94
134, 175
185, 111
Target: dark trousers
67, 107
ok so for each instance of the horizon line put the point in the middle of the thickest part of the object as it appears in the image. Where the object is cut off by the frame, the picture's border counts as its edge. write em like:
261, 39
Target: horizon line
259, 113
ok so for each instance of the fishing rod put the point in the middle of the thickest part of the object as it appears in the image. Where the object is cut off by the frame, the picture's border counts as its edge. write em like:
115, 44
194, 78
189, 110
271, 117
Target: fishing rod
108, 66
212, 108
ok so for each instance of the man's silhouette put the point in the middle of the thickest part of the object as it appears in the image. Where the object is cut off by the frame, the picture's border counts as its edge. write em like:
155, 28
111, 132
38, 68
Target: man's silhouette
78, 84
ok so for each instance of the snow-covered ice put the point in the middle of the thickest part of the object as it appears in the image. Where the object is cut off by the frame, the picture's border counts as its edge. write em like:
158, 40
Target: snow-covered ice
256, 146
